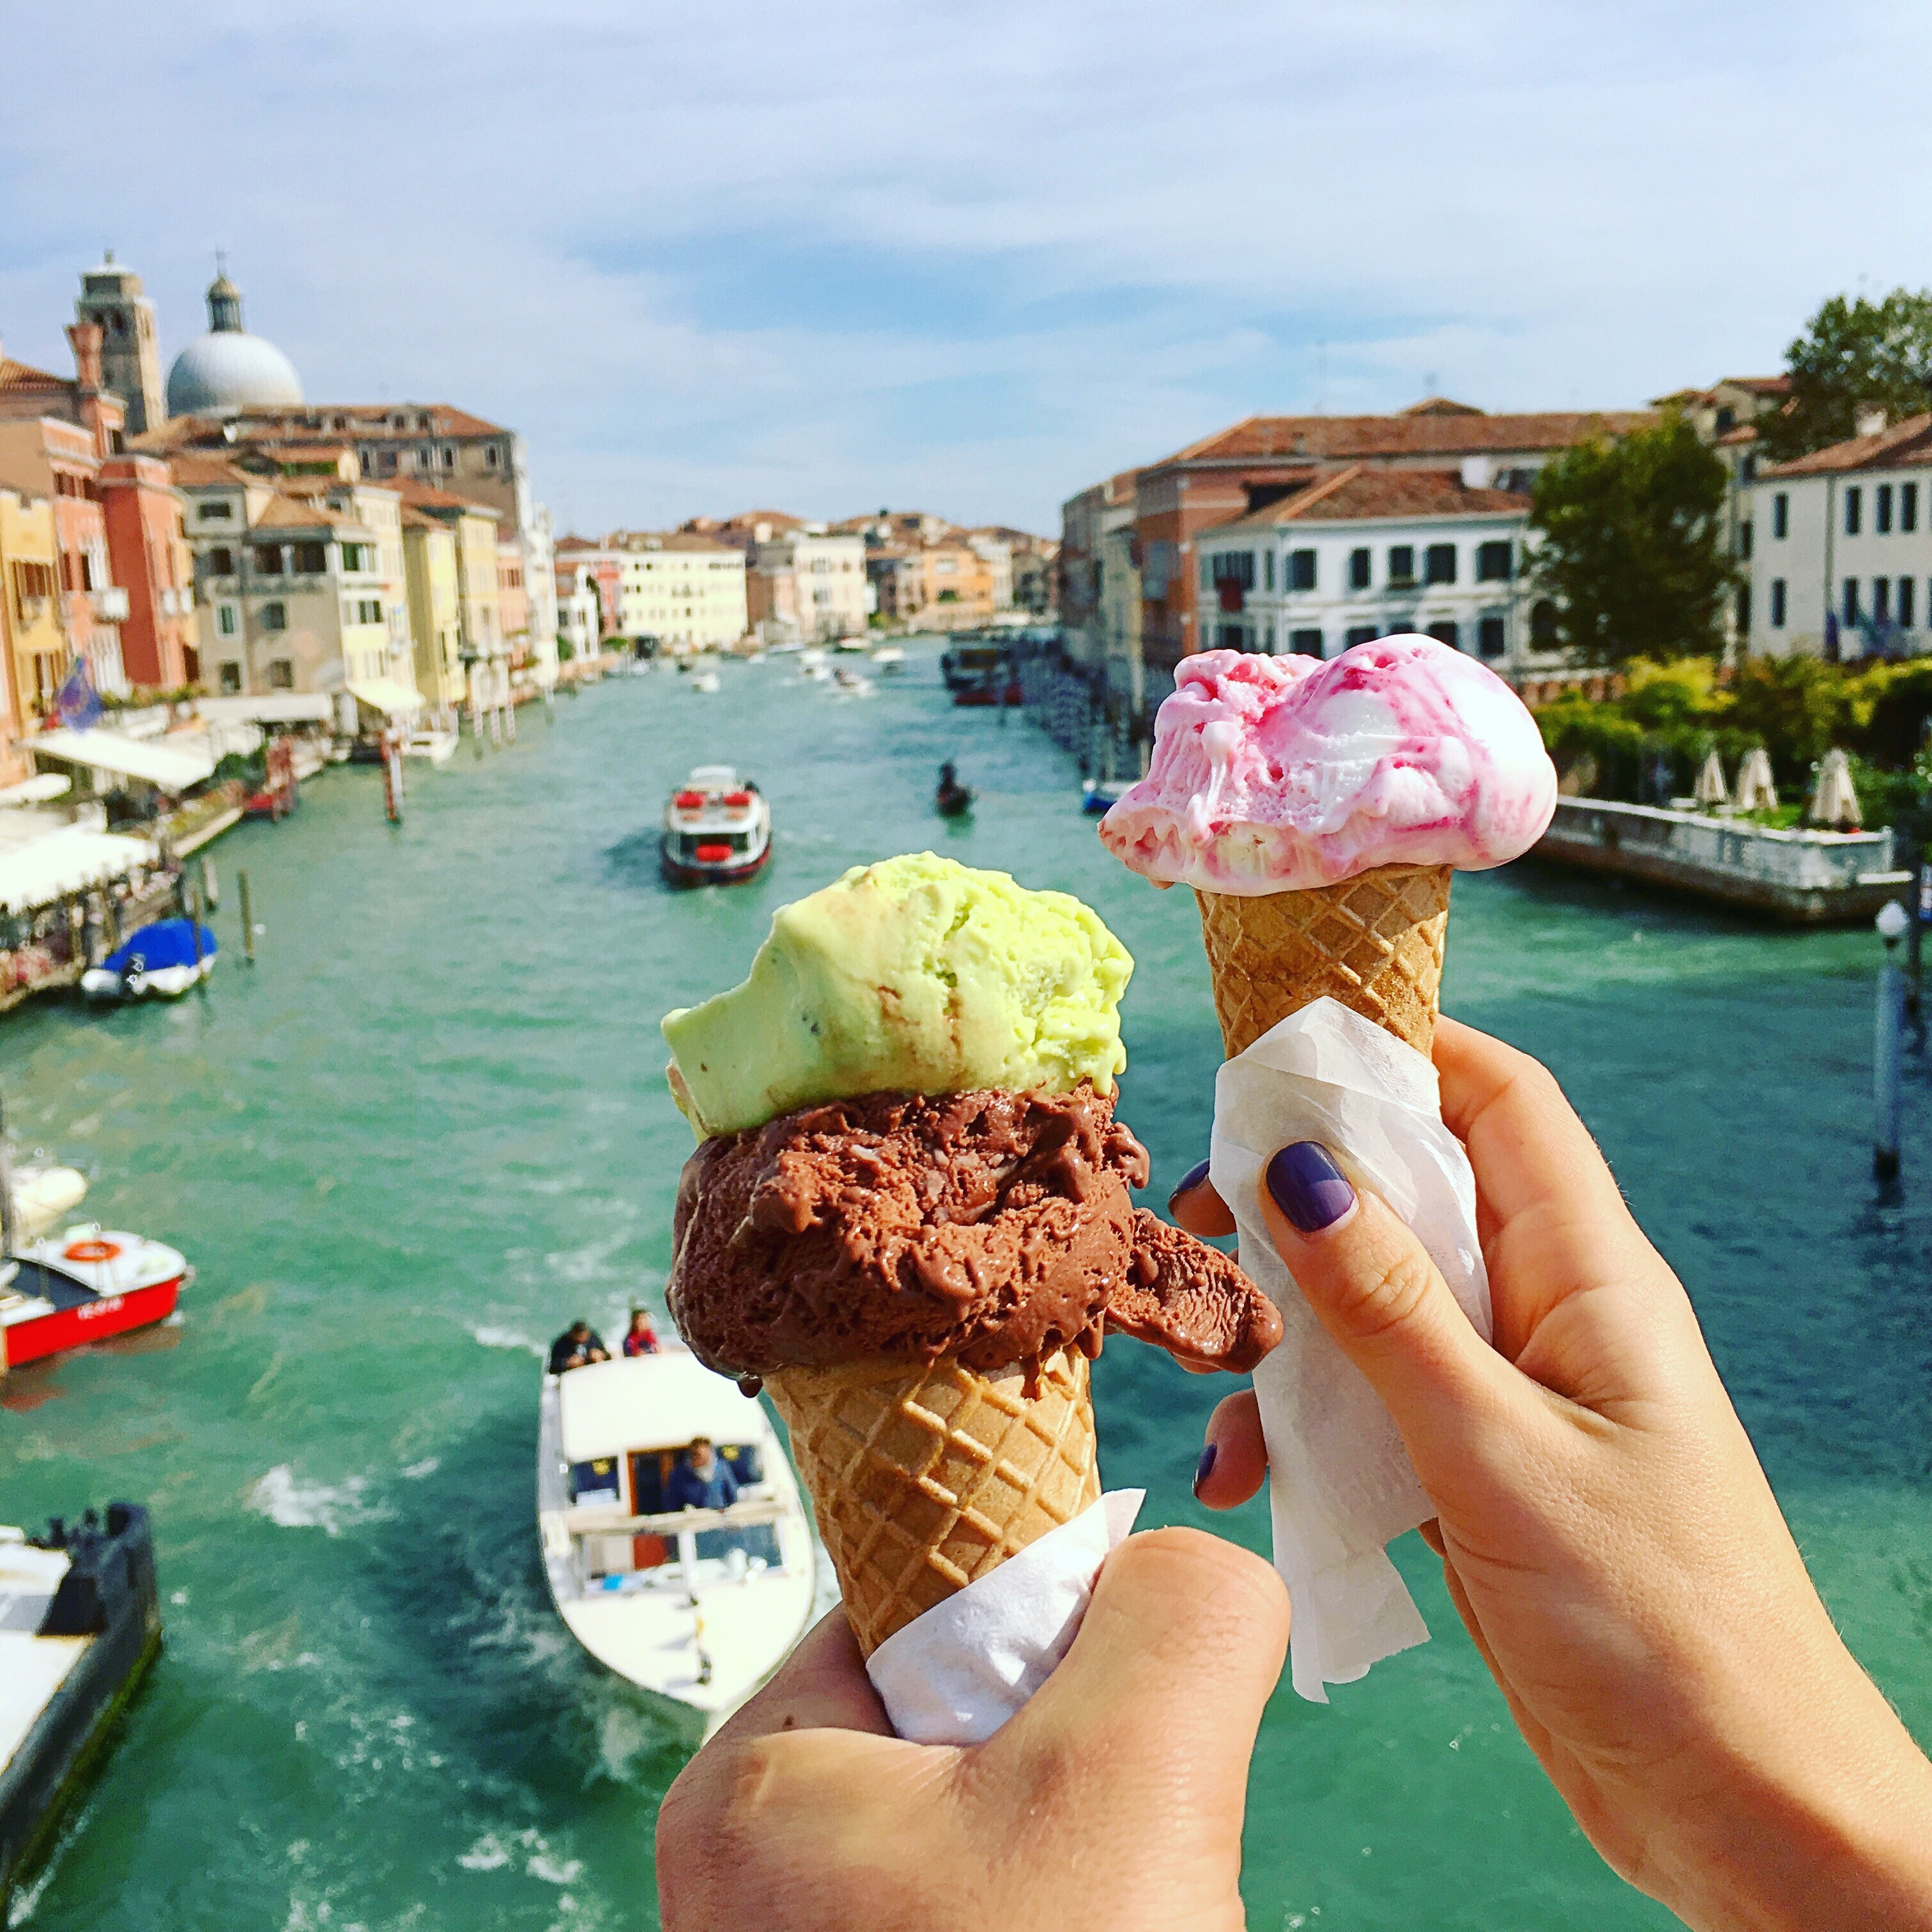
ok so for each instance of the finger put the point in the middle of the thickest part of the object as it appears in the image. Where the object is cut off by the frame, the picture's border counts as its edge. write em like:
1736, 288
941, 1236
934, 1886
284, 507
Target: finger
1234, 1464
1195, 1206
1431, 1533
1374, 1288
1159, 1698
821, 1686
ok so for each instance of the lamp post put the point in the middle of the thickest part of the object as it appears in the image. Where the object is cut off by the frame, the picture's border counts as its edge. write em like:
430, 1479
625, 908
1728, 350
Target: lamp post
1887, 1043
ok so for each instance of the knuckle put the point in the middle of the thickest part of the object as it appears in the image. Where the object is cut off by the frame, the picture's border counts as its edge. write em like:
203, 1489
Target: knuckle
1386, 1295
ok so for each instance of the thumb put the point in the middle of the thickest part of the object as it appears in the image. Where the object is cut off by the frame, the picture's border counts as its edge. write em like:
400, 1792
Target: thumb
1373, 1287
1160, 1696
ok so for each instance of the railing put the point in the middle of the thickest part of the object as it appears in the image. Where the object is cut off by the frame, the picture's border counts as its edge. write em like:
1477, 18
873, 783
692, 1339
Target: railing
580, 1521
110, 605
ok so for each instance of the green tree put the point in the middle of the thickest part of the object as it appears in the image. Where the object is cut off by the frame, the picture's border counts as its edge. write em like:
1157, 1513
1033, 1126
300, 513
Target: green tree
1852, 354
1630, 555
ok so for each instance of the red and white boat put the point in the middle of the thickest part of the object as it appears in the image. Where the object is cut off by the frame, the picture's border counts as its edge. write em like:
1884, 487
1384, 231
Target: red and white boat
717, 830
83, 1285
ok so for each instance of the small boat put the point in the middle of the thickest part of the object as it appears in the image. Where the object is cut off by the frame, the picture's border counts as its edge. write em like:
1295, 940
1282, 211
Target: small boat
438, 746
952, 799
852, 684
855, 642
697, 1608
80, 1622
165, 958
890, 660
811, 663
705, 683
1099, 796
83, 1285
717, 828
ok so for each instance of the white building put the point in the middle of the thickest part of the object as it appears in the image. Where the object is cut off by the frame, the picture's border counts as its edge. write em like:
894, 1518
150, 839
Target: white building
1840, 547
1368, 552
579, 611
540, 587
683, 590
809, 586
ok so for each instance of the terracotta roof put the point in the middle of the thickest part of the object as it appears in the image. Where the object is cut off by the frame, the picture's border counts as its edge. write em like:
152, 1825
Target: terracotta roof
1342, 439
1440, 405
654, 540
190, 469
427, 496
1905, 445
301, 513
1359, 492
1762, 385
23, 375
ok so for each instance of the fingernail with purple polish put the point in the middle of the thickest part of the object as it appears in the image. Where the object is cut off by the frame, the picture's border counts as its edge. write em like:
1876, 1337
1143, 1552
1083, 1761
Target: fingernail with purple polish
1189, 1181
1308, 1187
1204, 1467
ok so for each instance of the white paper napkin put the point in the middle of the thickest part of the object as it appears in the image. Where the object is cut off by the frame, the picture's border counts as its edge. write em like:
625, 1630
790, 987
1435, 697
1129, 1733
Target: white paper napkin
1340, 1483
956, 1674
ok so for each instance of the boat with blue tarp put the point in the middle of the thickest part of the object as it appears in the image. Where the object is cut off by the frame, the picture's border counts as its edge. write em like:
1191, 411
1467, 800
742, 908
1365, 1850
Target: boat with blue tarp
164, 959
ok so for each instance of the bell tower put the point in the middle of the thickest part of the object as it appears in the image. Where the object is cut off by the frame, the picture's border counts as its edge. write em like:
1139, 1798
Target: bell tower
111, 298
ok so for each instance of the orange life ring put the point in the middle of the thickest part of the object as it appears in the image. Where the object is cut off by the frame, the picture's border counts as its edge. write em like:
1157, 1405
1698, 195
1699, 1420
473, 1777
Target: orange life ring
92, 1251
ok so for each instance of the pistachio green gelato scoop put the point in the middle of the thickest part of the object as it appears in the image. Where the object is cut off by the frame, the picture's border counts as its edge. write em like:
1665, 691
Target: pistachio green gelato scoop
917, 975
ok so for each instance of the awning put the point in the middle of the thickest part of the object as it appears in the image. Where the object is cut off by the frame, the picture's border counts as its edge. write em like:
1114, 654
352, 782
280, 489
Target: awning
153, 762
271, 707
650, 1401
38, 873
387, 694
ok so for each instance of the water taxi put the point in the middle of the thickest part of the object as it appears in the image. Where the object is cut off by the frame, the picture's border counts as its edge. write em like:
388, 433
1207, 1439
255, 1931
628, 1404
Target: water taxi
717, 828
83, 1285
980, 674
811, 663
80, 1622
697, 1608
438, 745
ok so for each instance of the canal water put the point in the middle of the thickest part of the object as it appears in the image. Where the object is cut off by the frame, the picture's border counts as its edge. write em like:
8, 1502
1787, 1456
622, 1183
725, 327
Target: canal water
430, 1127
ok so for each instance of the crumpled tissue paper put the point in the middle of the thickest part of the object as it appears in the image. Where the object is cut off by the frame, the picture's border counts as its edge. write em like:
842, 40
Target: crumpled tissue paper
955, 1674
1340, 1483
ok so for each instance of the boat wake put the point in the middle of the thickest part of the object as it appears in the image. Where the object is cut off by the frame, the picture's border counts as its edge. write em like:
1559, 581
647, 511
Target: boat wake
291, 1504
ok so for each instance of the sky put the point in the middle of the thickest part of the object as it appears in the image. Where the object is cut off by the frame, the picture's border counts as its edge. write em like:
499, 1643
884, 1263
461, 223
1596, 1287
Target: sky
963, 258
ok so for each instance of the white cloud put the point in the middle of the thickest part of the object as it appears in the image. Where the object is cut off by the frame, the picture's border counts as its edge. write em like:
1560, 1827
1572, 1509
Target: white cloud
1065, 239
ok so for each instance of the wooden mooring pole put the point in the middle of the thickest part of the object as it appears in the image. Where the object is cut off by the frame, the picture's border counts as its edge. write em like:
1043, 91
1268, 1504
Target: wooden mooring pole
248, 919
1887, 1044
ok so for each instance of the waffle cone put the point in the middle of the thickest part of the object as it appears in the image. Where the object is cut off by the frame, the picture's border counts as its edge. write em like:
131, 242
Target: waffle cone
1374, 943
927, 1475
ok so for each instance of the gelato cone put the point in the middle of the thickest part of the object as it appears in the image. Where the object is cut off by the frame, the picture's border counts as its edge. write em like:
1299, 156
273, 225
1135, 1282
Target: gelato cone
927, 1477
1374, 943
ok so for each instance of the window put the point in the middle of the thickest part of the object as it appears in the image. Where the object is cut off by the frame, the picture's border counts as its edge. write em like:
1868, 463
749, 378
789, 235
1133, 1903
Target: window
1490, 637
1225, 566
1851, 600
1906, 586
224, 620
1781, 516
1778, 603
449, 457
1401, 565
311, 559
231, 678
1881, 600
1882, 510
1359, 634
492, 455
1305, 643
1542, 624
274, 616
1745, 541
359, 556
221, 561
268, 559
1448, 634
1358, 569
1439, 563
1301, 570
281, 674
1744, 610
368, 610
1908, 506
216, 510
1493, 562
1267, 559
1854, 507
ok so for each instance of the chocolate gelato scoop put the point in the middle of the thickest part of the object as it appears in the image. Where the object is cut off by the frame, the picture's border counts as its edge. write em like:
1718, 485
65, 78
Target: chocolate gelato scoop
991, 1226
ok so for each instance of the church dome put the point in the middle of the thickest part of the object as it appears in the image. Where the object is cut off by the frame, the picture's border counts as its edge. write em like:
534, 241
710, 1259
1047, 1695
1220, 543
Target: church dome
228, 369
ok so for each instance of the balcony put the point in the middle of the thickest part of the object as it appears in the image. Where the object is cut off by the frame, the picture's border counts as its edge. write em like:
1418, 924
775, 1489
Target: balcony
110, 605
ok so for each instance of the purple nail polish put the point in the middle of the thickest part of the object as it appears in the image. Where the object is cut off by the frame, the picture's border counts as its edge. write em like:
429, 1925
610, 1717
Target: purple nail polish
1204, 1467
1308, 1187
1188, 1182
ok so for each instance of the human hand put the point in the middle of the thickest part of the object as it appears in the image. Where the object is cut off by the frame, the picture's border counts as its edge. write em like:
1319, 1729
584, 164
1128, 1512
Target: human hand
1605, 1530
1113, 1800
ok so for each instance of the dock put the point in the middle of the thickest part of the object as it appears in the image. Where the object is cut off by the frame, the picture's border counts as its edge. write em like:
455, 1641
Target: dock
1799, 878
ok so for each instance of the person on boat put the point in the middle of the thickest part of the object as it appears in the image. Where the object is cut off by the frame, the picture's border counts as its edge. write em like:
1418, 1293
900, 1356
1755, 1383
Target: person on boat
1605, 1530
577, 1347
701, 1480
640, 1338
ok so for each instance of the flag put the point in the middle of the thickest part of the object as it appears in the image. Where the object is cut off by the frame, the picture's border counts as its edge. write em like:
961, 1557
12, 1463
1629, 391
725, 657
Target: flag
77, 701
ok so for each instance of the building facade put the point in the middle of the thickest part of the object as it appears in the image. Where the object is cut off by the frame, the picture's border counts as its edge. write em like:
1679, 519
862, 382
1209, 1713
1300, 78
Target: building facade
38, 657
809, 587
1841, 553
684, 591
435, 612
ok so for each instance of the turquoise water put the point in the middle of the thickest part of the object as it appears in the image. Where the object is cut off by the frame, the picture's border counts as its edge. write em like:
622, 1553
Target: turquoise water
431, 1127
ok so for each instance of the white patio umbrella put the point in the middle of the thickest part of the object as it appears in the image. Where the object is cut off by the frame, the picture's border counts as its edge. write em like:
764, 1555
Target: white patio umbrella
1834, 801
1756, 792
1710, 789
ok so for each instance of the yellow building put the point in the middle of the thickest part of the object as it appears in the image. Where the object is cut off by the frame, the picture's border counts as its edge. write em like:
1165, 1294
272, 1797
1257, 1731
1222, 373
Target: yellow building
680, 588
37, 656
472, 528
435, 607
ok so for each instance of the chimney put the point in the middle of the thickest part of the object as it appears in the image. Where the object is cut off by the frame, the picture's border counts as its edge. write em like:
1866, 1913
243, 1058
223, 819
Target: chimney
86, 338
1870, 419
1479, 473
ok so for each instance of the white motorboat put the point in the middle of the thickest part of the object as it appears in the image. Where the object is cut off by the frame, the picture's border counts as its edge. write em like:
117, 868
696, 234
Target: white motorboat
697, 1608
439, 747
42, 1194
717, 830
890, 660
856, 641
705, 682
852, 684
811, 663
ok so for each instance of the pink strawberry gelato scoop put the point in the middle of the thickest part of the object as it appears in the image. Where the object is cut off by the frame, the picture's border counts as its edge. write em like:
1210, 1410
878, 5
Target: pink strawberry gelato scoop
1274, 774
